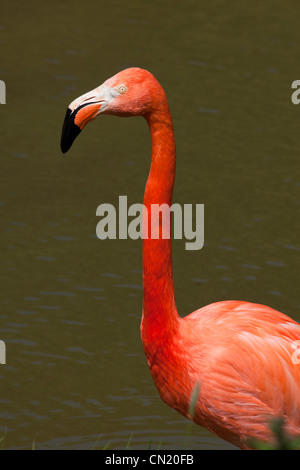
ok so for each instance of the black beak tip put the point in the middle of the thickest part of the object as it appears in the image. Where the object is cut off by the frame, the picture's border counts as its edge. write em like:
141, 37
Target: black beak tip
69, 131
63, 147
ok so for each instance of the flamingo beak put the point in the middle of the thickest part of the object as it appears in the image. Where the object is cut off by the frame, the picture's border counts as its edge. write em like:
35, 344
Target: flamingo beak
77, 117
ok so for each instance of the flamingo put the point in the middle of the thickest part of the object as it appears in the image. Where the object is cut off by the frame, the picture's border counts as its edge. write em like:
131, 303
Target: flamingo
238, 356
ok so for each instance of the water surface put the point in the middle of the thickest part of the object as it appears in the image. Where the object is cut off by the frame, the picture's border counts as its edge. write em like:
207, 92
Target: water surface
76, 376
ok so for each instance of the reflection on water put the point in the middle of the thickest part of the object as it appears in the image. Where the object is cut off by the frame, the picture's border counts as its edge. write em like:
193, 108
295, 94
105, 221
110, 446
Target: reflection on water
76, 376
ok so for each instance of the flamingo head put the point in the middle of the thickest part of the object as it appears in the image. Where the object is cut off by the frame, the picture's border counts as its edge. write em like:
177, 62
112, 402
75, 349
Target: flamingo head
131, 92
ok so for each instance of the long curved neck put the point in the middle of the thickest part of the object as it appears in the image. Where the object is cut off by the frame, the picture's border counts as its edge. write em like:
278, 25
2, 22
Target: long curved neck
160, 315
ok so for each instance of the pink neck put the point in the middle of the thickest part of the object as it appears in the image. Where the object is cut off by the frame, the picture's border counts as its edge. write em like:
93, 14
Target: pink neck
159, 310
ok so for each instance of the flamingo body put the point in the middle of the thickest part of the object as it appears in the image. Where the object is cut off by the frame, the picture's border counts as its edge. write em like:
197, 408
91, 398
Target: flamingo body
238, 354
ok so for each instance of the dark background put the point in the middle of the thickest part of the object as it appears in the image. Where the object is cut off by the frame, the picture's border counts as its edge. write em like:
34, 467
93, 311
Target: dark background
76, 376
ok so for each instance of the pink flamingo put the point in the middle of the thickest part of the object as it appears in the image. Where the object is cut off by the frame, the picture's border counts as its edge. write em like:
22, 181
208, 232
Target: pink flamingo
238, 356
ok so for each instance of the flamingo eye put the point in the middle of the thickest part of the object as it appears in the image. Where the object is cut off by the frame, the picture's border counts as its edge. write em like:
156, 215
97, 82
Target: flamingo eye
121, 89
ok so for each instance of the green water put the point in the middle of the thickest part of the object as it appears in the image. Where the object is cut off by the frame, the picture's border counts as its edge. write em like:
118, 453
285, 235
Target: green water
71, 304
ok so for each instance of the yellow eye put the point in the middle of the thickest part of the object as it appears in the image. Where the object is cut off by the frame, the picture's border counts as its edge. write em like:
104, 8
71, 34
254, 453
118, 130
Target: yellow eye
121, 89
